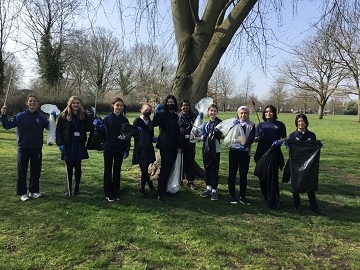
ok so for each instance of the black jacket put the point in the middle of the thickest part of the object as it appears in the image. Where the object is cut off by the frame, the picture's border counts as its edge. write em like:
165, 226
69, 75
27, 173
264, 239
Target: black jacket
169, 136
65, 129
111, 127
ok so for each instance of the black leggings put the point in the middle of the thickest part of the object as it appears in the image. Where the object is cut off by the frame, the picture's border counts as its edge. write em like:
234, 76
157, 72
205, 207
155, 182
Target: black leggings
145, 177
70, 167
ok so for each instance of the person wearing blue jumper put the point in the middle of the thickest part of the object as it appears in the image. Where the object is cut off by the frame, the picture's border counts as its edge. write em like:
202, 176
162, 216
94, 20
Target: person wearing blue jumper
30, 125
115, 149
304, 135
239, 154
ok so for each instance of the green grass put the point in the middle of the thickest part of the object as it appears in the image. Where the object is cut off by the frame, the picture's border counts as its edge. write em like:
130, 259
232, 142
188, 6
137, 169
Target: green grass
186, 231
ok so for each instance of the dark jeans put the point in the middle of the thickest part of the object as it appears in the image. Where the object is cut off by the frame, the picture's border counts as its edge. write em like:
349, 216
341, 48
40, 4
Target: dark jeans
238, 160
168, 158
145, 177
70, 167
189, 160
112, 170
212, 172
311, 196
34, 155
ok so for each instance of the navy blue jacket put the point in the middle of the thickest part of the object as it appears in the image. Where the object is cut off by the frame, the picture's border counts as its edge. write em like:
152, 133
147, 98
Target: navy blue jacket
111, 127
29, 128
169, 136
299, 136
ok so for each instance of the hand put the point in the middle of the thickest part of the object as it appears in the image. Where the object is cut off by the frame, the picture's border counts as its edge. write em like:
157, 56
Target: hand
3, 110
158, 108
53, 113
286, 143
260, 132
201, 115
62, 148
187, 136
126, 154
236, 122
238, 147
155, 139
276, 143
96, 122
139, 129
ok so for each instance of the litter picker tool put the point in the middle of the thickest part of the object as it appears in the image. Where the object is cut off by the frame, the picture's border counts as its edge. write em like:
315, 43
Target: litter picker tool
253, 103
7, 92
67, 181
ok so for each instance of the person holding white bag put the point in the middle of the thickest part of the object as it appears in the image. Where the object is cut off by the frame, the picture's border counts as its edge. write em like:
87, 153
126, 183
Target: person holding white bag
242, 136
30, 125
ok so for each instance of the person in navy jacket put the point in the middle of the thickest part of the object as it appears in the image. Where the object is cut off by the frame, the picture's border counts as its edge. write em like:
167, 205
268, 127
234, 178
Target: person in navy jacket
115, 149
30, 125
304, 135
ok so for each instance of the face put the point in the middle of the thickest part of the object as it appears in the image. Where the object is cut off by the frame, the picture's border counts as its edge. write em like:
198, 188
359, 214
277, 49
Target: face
301, 123
212, 112
32, 103
268, 114
118, 107
243, 115
185, 108
146, 111
171, 104
75, 105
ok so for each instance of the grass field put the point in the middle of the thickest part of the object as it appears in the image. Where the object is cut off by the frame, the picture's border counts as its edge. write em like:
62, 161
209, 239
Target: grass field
186, 231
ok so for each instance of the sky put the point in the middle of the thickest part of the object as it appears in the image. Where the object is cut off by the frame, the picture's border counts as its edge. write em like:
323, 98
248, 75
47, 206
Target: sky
294, 28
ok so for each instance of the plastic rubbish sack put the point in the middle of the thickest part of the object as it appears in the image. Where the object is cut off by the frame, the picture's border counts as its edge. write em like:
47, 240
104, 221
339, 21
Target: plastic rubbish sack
142, 146
173, 184
51, 136
96, 138
201, 107
209, 149
235, 137
304, 160
267, 170
49, 108
225, 126
127, 131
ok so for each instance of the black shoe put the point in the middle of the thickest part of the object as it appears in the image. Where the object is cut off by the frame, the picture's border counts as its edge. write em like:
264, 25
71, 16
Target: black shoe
318, 211
67, 194
76, 193
297, 209
206, 193
110, 199
233, 200
244, 201
214, 196
192, 185
142, 193
159, 199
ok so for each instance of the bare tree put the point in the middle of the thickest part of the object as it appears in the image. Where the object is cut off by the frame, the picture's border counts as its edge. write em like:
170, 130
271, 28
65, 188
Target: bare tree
278, 93
223, 83
246, 89
315, 68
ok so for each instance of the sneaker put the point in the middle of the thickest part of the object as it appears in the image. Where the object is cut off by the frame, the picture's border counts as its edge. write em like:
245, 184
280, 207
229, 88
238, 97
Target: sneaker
67, 194
159, 199
244, 201
214, 196
110, 199
192, 185
233, 200
24, 198
34, 195
206, 193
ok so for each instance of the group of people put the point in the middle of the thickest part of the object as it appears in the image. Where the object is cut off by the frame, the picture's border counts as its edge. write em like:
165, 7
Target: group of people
174, 132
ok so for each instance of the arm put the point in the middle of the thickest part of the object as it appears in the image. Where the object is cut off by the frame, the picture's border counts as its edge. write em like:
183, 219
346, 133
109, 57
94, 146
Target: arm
251, 138
59, 131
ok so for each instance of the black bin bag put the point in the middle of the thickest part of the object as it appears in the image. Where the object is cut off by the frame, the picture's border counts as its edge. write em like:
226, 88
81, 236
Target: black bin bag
304, 165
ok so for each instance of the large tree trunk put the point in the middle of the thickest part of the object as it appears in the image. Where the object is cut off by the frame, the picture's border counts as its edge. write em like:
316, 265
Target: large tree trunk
321, 112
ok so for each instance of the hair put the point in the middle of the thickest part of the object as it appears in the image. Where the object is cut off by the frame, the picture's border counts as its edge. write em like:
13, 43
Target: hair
273, 109
212, 106
184, 101
144, 105
164, 103
303, 117
117, 99
243, 108
67, 112
31, 95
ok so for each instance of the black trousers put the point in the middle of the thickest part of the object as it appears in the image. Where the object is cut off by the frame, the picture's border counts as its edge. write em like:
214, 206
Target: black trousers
311, 196
238, 160
72, 166
188, 151
112, 170
212, 172
145, 177
168, 158
34, 155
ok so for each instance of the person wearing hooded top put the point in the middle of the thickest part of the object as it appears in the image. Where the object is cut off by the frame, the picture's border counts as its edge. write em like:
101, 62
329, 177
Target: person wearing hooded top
71, 137
115, 149
302, 134
143, 122
186, 120
211, 168
239, 154
270, 133
168, 141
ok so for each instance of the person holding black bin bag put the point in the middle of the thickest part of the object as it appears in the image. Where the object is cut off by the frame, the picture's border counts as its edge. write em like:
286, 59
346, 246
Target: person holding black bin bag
303, 146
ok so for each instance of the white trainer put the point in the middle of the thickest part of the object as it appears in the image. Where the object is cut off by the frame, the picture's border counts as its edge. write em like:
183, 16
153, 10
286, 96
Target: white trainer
34, 195
24, 198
